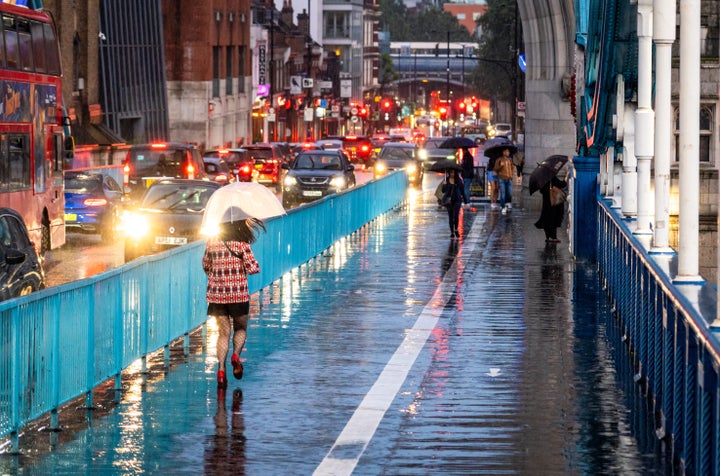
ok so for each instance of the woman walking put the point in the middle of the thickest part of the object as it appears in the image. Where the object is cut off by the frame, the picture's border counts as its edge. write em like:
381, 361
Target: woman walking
454, 188
227, 261
551, 216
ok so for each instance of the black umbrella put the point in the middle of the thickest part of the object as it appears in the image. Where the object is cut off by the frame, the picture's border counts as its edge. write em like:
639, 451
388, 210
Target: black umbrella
494, 147
457, 143
444, 166
545, 171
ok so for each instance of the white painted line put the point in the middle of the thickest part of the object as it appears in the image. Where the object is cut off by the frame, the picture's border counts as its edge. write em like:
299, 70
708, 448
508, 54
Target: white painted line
345, 453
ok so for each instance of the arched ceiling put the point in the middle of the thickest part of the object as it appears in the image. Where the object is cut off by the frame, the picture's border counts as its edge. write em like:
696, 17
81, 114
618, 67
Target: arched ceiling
549, 32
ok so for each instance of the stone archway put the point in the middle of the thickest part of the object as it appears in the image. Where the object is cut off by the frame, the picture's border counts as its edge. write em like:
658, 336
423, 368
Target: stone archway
550, 51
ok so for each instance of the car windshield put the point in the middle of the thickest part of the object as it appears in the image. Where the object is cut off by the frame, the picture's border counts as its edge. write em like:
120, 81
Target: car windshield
172, 197
231, 157
397, 153
83, 183
261, 154
325, 162
152, 161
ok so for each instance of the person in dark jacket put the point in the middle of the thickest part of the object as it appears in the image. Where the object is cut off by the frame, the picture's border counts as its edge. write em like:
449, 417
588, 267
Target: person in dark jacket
468, 170
551, 217
455, 189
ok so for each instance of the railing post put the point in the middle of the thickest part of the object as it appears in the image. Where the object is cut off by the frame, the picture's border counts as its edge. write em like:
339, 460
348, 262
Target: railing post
584, 209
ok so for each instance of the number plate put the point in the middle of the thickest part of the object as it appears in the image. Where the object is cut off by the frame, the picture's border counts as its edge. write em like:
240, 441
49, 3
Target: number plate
70, 217
312, 193
170, 240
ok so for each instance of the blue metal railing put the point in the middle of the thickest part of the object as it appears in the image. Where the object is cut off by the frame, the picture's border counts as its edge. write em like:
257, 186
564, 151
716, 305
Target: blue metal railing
675, 354
60, 343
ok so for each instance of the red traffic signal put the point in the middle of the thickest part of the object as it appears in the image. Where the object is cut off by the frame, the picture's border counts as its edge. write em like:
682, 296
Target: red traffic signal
363, 112
387, 104
443, 112
461, 106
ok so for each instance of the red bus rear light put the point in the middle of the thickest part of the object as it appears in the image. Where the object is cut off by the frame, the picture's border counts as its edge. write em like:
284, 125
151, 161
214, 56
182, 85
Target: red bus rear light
95, 202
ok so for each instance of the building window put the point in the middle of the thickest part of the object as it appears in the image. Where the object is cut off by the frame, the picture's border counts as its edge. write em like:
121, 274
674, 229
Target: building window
337, 25
216, 72
706, 130
229, 55
241, 68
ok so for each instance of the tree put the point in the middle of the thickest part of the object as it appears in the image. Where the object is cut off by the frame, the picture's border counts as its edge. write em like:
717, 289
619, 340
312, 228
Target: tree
494, 76
425, 23
387, 73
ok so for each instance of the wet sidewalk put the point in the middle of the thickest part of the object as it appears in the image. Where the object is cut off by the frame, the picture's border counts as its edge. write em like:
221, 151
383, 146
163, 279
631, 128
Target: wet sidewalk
399, 351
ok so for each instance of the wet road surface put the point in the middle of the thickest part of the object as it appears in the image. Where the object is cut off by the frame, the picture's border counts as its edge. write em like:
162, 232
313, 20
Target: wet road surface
399, 351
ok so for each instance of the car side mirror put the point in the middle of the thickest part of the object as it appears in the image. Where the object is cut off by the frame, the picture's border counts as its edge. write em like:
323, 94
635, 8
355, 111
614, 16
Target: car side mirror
13, 256
285, 166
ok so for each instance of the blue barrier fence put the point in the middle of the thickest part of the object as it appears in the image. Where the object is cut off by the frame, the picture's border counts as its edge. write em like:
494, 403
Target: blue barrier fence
60, 343
676, 355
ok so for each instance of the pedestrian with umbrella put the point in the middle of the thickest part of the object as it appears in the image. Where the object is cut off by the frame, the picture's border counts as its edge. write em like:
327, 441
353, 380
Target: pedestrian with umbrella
468, 169
544, 178
233, 216
493, 149
453, 197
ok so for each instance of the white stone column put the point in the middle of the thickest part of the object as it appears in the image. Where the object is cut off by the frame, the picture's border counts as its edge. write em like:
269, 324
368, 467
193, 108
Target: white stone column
644, 116
688, 222
664, 14
628, 188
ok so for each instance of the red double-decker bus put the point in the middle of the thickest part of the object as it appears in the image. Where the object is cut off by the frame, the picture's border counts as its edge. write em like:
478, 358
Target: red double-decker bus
32, 137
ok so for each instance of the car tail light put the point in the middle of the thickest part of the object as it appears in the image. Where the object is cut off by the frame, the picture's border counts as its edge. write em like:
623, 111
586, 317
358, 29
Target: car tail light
365, 148
95, 202
223, 151
158, 145
126, 174
272, 161
190, 171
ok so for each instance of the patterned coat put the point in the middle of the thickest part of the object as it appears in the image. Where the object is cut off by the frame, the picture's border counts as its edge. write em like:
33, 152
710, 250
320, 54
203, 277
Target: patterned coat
227, 274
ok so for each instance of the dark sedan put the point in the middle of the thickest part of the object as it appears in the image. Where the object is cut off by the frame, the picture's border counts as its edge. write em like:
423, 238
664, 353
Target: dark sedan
21, 271
93, 203
169, 214
400, 156
315, 174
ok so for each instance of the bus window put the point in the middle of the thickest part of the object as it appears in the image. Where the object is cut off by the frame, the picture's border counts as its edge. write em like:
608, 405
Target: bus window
25, 46
51, 50
15, 149
38, 46
11, 43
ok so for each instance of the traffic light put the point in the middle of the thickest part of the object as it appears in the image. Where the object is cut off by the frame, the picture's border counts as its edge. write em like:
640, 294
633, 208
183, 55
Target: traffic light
461, 106
387, 104
363, 111
443, 112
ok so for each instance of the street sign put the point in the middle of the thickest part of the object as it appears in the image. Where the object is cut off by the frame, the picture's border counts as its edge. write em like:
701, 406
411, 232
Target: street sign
521, 105
295, 84
354, 111
307, 83
309, 114
346, 88
354, 119
325, 84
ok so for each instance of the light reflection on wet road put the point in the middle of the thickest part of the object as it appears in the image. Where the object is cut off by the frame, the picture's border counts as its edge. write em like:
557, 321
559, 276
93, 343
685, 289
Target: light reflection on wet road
519, 376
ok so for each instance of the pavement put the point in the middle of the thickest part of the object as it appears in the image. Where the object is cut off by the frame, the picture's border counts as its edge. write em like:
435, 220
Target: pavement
397, 351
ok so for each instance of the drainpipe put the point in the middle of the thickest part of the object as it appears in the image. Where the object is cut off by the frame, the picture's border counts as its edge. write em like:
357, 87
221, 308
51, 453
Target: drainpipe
644, 116
664, 37
689, 221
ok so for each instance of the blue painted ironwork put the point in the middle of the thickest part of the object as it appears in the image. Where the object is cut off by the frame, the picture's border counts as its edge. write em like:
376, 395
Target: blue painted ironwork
60, 343
676, 353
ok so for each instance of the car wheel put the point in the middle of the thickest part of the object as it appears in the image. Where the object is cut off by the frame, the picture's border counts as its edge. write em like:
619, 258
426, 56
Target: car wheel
45, 242
26, 289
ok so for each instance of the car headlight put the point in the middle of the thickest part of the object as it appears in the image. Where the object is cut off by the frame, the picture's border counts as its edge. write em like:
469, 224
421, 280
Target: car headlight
290, 181
380, 167
422, 154
412, 168
338, 182
134, 225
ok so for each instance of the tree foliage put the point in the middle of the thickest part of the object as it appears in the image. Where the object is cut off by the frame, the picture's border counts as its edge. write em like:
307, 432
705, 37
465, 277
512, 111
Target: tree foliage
495, 76
425, 23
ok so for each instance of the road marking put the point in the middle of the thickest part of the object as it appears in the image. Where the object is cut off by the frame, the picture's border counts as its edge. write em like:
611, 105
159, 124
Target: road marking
349, 446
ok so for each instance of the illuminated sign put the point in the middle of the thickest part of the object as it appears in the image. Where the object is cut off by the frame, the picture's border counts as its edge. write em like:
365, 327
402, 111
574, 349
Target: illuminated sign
263, 89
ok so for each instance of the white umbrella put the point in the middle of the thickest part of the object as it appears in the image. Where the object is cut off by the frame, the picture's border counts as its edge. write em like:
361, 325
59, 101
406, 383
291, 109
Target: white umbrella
238, 201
